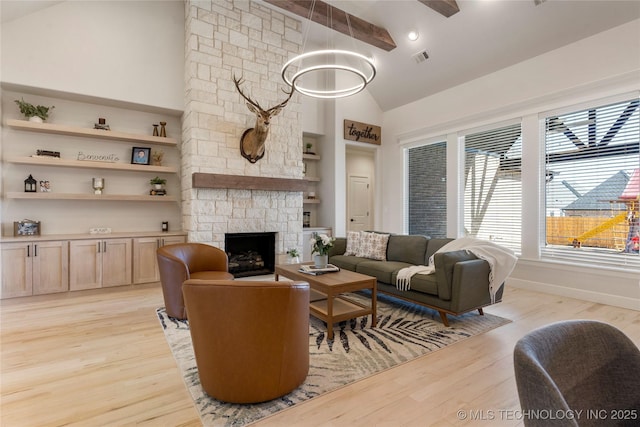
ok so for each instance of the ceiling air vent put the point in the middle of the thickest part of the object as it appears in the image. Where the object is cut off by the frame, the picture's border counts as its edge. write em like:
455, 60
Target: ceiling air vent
420, 57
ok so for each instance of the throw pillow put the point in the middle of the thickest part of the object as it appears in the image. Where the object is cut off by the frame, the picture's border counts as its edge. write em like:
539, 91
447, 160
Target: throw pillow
373, 246
353, 243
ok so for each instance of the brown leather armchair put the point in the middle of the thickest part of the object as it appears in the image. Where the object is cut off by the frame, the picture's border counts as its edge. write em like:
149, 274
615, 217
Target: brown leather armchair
184, 261
250, 338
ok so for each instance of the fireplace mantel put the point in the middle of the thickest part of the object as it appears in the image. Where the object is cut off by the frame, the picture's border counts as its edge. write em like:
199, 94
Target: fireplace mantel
241, 182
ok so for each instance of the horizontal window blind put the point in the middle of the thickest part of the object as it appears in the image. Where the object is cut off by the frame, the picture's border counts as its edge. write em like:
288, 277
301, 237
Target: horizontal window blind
426, 204
493, 186
592, 169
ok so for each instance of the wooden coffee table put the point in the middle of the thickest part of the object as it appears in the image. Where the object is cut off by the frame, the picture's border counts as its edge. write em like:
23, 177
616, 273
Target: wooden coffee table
327, 301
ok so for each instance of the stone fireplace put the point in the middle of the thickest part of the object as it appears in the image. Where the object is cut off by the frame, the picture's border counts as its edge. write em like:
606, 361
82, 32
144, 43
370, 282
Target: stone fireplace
246, 39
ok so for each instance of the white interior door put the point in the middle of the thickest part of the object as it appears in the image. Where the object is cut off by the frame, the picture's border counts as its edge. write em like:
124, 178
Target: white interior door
358, 203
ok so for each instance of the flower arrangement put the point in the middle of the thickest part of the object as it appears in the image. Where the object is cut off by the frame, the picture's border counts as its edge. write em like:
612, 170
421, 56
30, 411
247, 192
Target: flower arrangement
293, 253
321, 243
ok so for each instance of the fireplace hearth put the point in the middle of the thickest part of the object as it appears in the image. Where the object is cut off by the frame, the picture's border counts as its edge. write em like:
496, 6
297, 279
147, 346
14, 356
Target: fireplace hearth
250, 254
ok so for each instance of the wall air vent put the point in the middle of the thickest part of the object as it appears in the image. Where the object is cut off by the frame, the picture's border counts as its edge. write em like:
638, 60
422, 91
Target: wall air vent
420, 56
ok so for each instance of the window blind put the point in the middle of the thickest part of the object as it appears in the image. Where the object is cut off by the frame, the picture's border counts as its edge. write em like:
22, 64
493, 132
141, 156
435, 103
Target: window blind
492, 199
426, 205
592, 169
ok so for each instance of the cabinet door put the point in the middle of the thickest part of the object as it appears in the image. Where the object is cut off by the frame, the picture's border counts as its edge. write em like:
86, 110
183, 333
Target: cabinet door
16, 270
116, 262
50, 267
145, 264
85, 264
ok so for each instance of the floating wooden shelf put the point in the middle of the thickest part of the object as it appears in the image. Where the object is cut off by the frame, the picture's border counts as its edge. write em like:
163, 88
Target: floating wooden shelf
310, 201
92, 197
55, 161
311, 178
310, 157
89, 133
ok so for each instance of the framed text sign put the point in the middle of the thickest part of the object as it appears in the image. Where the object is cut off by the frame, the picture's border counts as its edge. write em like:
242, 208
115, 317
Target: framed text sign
362, 132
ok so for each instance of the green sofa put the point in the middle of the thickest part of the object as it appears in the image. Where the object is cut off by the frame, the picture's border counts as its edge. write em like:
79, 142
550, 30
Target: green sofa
460, 282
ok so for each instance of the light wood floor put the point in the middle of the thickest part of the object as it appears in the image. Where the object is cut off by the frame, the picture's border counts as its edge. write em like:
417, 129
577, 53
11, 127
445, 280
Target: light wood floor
99, 358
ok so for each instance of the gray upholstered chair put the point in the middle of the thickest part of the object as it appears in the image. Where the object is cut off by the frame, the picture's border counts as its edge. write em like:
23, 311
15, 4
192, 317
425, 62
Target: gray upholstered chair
250, 338
184, 261
585, 373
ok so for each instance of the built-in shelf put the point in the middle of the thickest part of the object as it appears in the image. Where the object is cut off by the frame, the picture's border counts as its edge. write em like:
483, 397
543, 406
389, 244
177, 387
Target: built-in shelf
310, 156
53, 128
312, 178
92, 197
311, 201
55, 161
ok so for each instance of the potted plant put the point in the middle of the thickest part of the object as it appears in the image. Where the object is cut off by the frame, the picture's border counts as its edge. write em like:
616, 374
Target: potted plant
320, 244
37, 113
308, 147
158, 182
294, 256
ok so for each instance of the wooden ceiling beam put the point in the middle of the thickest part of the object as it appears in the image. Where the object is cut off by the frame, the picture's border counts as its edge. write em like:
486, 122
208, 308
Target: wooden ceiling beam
338, 20
443, 7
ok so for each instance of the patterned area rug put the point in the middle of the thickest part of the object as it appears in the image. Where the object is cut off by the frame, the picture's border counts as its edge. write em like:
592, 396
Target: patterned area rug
404, 331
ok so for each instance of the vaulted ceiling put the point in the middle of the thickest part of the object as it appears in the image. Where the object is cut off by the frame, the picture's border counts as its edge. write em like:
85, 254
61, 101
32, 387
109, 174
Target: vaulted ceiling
463, 39
483, 36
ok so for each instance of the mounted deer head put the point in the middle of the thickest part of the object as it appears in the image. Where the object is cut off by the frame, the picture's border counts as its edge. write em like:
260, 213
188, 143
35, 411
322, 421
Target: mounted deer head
252, 141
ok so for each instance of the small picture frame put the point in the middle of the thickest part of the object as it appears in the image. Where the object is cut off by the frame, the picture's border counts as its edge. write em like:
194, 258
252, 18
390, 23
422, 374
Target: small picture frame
45, 187
140, 155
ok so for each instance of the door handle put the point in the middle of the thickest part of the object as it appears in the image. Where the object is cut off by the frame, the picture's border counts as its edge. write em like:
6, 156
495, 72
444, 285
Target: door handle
352, 220
35, 250
104, 246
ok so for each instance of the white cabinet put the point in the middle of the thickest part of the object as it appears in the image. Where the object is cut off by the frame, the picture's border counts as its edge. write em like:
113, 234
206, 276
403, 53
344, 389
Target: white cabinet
99, 263
145, 262
33, 268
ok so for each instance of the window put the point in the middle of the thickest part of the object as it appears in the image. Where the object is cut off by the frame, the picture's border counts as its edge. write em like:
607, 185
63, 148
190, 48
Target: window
592, 184
492, 185
427, 190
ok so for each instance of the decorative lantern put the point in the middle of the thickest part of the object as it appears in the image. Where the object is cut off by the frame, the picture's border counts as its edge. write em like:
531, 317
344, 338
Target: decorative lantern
30, 185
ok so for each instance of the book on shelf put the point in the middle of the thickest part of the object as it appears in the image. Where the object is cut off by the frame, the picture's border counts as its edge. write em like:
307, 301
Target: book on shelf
313, 270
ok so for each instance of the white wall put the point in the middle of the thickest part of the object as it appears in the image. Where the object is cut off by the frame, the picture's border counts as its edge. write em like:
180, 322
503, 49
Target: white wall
120, 60
595, 68
362, 108
122, 50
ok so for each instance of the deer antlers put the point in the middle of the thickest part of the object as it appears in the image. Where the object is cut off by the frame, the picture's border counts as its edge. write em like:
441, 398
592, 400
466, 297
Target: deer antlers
253, 139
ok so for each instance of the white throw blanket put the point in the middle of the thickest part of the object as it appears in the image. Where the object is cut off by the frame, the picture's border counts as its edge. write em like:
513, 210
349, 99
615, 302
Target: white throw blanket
501, 261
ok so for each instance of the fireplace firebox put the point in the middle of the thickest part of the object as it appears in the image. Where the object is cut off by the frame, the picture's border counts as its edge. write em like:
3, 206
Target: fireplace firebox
250, 254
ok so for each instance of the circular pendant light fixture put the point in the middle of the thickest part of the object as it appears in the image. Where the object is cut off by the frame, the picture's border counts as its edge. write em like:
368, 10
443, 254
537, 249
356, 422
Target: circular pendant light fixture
328, 73
309, 73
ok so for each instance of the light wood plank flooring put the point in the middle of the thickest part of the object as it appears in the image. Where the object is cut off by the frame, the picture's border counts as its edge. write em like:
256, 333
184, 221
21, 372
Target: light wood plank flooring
99, 358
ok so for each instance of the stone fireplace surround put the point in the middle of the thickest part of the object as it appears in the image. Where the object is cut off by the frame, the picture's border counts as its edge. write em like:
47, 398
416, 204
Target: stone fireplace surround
247, 39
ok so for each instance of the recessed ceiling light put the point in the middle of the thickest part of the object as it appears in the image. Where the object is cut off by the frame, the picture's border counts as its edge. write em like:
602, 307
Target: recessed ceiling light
413, 35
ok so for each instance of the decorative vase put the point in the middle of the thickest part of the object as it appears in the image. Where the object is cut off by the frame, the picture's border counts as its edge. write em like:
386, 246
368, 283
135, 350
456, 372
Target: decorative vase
320, 261
35, 119
294, 260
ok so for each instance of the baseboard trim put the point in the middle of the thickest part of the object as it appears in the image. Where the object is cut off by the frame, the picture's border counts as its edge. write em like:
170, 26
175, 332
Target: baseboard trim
598, 297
